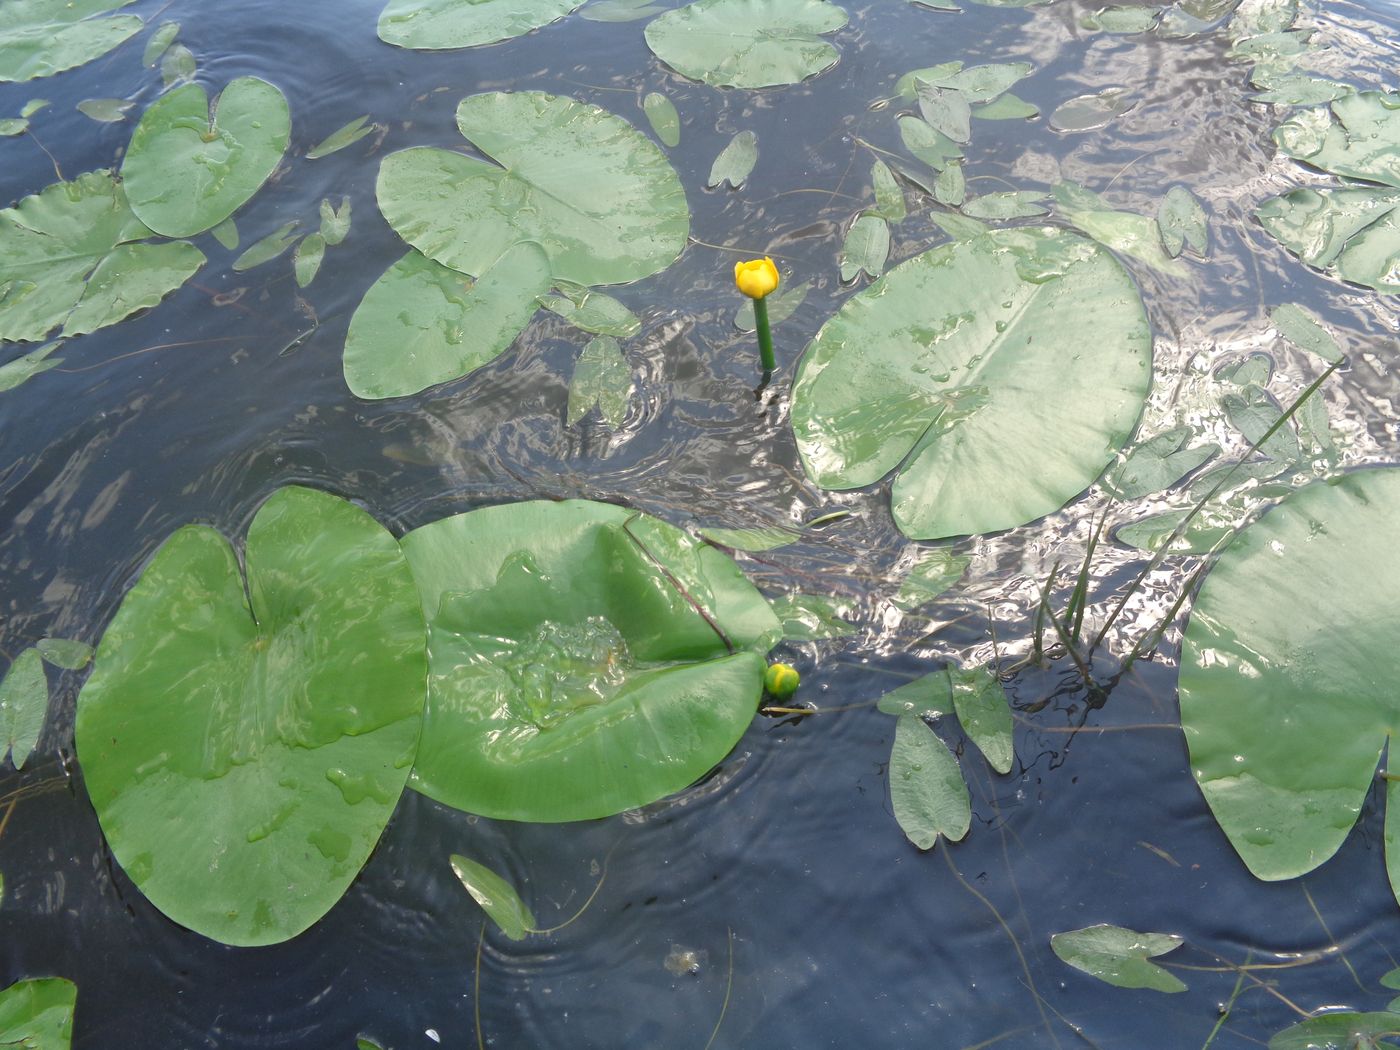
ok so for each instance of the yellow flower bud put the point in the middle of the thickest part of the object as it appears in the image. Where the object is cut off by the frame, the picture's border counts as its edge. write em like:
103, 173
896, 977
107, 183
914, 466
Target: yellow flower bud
781, 681
756, 277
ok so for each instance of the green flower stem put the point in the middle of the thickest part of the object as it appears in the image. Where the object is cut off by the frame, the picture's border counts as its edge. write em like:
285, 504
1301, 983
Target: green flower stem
765, 335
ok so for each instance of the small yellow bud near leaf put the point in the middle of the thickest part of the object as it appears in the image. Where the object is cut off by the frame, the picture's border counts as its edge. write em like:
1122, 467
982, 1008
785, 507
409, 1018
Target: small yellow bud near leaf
781, 681
756, 277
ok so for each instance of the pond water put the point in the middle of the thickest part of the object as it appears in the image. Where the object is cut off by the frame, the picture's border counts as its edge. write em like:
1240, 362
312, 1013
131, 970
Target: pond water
776, 903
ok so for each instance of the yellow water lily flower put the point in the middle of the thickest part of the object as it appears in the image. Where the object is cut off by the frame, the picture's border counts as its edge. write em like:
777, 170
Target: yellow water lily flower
756, 277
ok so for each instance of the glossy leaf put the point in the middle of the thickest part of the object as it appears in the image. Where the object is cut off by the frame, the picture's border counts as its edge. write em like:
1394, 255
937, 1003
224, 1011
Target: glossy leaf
1009, 204
1340, 1031
496, 897
157, 43
436, 25
927, 791
1119, 956
1299, 89
1300, 326
189, 167
24, 701
1007, 107
244, 749
306, 260
265, 249
984, 713
64, 653
1156, 464
22, 369
747, 43
12, 126
341, 138
1285, 671
929, 576
866, 247
975, 83
1355, 232
366, 1043
602, 377
735, 162
1359, 138
1091, 112
946, 111
1252, 411
66, 258
594, 312
585, 659
907, 86
39, 38
38, 1014
1182, 221
927, 695
603, 201
782, 304
663, 118
34, 105
105, 110
422, 323
928, 143
960, 367
1127, 233
811, 617
335, 222
889, 195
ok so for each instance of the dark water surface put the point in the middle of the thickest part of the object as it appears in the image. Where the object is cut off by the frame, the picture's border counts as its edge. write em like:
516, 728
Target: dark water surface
787, 859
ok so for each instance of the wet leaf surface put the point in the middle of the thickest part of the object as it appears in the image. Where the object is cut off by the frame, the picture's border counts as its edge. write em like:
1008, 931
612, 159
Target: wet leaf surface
1119, 956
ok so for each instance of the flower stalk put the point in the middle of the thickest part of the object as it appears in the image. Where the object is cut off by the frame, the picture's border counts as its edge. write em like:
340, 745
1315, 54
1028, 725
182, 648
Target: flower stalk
757, 278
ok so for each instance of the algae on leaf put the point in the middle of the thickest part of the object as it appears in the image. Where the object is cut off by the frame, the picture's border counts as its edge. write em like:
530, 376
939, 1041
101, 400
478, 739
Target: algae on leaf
244, 747
437, 25
747, 43
39, 38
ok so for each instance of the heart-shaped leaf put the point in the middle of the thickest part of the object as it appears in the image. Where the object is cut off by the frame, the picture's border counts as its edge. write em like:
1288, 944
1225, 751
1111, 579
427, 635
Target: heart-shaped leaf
1119, 956
245, 748
24, 701
927, 791
602, 377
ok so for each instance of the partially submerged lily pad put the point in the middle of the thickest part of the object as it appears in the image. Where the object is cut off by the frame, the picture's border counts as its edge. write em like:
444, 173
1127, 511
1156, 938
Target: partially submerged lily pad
436, 25
244, 749
747, 43
584, 659
965, 370
39, 38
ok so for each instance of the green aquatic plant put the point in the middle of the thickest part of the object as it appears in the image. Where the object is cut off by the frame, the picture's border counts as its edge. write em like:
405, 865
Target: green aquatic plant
24, 700
758, 279
38, 1014
437, 25
39, 38
603, 378
1119, 956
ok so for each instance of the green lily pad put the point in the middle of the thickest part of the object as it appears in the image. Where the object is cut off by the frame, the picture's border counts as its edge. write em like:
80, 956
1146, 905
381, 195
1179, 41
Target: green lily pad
584, 659
24, 701
889, 196
439, 25
1132, 18
754, 540
928, 695
423, 323
244, 749
64, 653
226, 233
975, 83
265, 249
1156, 464
23, 369
39, 38
866, 247
38, 1014
619, 10
157, 43
735, 162
1125, 232
67, 258
593, 191
984, 713
1286, 669
189, 167
1007, 107
496, 896
927, 792
105, 110
602, 377
1299, 89
1340, 1031
962, 367
306, 260
593, 312
947, 111
1119, 956
177, 65
335, 222
950, 187
1359, 139
747, 43
927, 143
663, 118
1355, 232
1007, 204
1301, 327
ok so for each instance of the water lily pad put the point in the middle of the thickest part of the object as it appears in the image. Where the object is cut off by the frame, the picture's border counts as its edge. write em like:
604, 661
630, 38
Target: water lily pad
585, 659
1006, 204
1126, 232
929, 576
177, 65
965, 369
1355, 232
983, 712
1158, 463
64, 652
335, 222
927, 792
22, 369
423, 323
663, 118
157, 43
602, 377
1119, 956
39, 38
244, 749
594, 312
265, 249
1359, 139
950, 187
1132, 18
437, 25
1182, 222
735, 162
747, 43
1091, 112
928, 143
947, 111
38, 1014
1007, 107
811, 617
889, 196
496, 896
866, 247
189, 167
105, 110
306, 260
1286, 673
1346, 1030
24, 700
67, 258
619, 10
596, 193
1301, 327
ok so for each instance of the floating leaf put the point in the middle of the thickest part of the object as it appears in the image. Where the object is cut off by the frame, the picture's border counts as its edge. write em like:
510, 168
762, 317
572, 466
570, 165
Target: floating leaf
927, 791
747, 43
889, 196
24, 700
1361, 140
11, 126
602, 377
926, 696
811, 617
928, 143
619, 10
34, 105
1301, 327
983, 711
268, 248
937, 5
437, 25
1252, 411
21, 369
66, 258
782, 304
158, 41
866, 247
907, 86
64, 653
975, 83
365, 1043
496, 897
960, 367
665, 121
1299, 89
950, 187
1339, 1031
1007, 107
735, 162
1090, 112
189, 168
336, 141
39, 38
1181, 220
946, 111
1206, 530
1127, 233
306, 260
226, 233
176, 65
1131, 18
105, 110
1353, 231
422, 323
928, 577
602, 199
585, 659
244, 749
594, 312
958, 227
1156, 464
38, 1014
1010, 204
335, 222
1119, 956
753, 540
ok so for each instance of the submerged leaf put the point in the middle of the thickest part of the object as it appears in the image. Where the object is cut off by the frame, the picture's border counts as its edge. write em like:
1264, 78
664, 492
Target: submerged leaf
889, 196
176, 65
306, 260
619, 10
811, 617
245, 747
1119, 956
1356, 232
866, 247
64, 653
1156, 464
747, 43
1132, 18
158, 42
1340, 1031
594, 312
1010, 204
928, 143
24, 701
268, 248
1007, 107
735, 162
226, 233
602, 377
946, 111
1128, 233
38, 1014
1182, 220
1301, 327
932, 574
335, 222
950, 187
927, 791
105, 110
39, 38
347, 136
1091, 112
665, 121
753, 540
435, 25
496, 897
